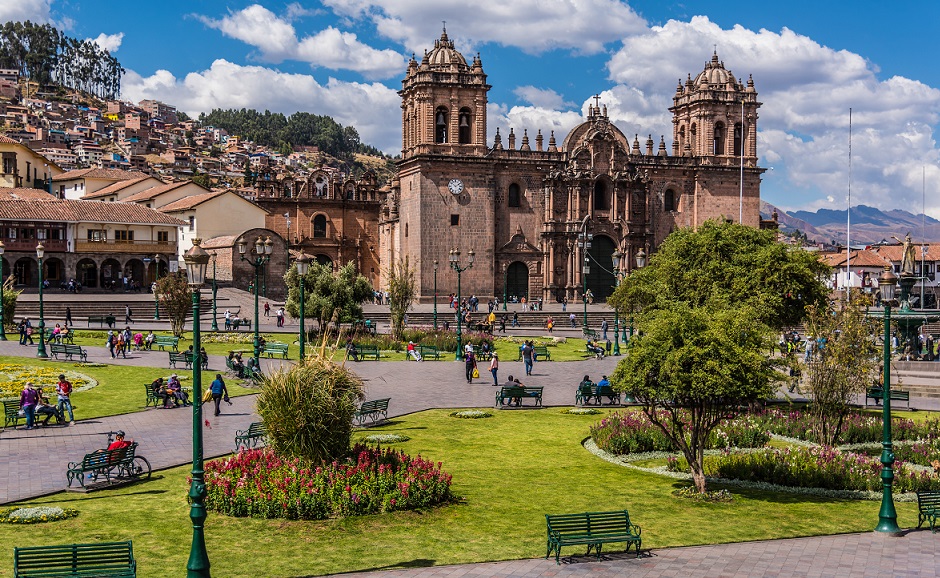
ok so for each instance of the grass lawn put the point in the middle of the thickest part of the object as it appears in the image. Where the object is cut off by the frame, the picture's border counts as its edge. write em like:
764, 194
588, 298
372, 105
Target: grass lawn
120, 388
510, 470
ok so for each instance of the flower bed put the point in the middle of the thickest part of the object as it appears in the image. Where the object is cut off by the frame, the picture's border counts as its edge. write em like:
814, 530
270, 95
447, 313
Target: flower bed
385, 439
471, 414
36, 515
259, 484
857, 428
582, 411
13, 377
632, 432
812, 467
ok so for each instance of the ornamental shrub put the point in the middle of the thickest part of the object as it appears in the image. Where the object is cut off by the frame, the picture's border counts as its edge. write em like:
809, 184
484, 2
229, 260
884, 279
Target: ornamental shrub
260, 484
632, 432
858, 427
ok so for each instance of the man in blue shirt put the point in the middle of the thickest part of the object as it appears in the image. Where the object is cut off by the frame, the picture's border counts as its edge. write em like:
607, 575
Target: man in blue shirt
219, 392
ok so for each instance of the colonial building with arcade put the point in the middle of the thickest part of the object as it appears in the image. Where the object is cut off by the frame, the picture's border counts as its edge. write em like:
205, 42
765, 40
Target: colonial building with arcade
521, 202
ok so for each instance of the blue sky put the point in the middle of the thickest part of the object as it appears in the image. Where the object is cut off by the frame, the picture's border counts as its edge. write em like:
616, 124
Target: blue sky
811, 62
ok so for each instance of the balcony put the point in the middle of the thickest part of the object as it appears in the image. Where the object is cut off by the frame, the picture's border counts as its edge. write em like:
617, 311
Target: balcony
29, 245
112, 246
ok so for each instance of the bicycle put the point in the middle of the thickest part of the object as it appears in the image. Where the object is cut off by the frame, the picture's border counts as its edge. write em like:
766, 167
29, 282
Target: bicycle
139, 467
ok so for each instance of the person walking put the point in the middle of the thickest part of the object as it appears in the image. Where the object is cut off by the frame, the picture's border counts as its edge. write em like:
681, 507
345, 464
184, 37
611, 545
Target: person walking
572, 319
29, 398
127, 315
219, 392
527, 351
604, 328
494, 368
64, 391
470, 362
68, 316
111, 342
267, 309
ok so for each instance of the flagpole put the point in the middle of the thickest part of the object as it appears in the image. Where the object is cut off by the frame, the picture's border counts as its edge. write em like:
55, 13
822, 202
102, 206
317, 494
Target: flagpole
848, 223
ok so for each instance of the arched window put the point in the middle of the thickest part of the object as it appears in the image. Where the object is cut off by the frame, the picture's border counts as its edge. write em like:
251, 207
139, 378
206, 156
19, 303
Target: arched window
319, 226
440, 125
515, 195
718, 139
669, 200
464, 126
738, 135
600, 196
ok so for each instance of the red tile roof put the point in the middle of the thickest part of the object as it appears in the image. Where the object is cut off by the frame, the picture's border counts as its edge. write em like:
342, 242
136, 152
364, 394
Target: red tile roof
106, 174
5, 139
114, 188
191, 201
21, 193
151, 193
894, 252
62, 210
864, 258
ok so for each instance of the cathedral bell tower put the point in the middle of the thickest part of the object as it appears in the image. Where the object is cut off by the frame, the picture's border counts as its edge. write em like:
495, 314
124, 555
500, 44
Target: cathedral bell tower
443, 102
715, 116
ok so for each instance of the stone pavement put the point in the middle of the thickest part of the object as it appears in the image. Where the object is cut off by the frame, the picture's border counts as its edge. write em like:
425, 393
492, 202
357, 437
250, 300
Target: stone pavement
855, 555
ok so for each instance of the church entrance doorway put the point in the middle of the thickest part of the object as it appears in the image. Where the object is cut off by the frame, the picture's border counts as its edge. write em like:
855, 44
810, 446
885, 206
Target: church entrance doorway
517, 281
601, 279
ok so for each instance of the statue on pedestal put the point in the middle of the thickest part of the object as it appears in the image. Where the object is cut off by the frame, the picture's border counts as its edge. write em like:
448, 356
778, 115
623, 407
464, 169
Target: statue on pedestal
907, 255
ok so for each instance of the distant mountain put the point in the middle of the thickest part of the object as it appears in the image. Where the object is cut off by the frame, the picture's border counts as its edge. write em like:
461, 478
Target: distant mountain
869, 225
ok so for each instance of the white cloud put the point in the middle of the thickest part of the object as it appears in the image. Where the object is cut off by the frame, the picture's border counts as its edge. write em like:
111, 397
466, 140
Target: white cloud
227, 85
22, 10
534, 26
541, 97
276, 40
807, 90
110, 42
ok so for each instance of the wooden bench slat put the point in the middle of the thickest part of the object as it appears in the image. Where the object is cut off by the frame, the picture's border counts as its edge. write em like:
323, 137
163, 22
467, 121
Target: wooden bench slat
101, 559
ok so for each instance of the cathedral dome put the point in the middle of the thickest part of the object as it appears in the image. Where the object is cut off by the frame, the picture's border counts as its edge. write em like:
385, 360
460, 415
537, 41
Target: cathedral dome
445, 56
715, 74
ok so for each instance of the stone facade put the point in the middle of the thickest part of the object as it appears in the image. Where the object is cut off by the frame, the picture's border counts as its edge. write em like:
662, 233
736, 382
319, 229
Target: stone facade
522, 208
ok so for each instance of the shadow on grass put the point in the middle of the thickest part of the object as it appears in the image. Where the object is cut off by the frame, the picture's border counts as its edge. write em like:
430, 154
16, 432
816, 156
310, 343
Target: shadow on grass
416, 563
767, 496
101, 494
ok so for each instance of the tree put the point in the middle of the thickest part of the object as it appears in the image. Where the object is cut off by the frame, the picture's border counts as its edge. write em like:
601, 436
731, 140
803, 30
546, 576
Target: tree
846, 365
308, 409
326, 293
176, 299
401, 293
691, 368
727, 263
10, 295
709, 300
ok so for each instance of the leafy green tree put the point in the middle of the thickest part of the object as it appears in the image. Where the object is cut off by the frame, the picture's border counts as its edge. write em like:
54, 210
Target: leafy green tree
176, 298
307, 410
691, 368
10, 295
845, 366
401, 293
728, 264
327, 294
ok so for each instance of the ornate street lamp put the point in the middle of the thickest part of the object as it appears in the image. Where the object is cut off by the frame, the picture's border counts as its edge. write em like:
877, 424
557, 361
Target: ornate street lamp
640, 263
435, 295
196, 260
505, 285
262, 254
156, 299
617, 275
303, 265
584, 243
887, 516
215, 316
3, 333
455, 265
41, 352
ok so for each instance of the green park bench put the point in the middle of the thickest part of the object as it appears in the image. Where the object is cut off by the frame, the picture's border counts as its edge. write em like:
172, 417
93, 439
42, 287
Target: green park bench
590, 333
107, 464
180, 357
364, 351
585, 394
508, 394
11, 412
613, 397
162, 341
250, 437
238, 323
152, 396
928, 507
68, 351
591, 529
62, 338
425, 351
114, 559
542, 353
101, 320
375, 410
276, 348
877, 394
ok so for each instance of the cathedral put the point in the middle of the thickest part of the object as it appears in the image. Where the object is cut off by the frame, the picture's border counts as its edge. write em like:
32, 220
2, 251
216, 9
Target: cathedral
526, 203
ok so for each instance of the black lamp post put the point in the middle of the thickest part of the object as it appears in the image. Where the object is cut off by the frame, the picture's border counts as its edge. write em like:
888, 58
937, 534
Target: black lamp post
215, 316
196, 260
3, 333
41, 352
303, 265
262, 254
455, 265
617, 274
584, 243
156, 300
640, 263
505, 285
435, 295
887, 516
